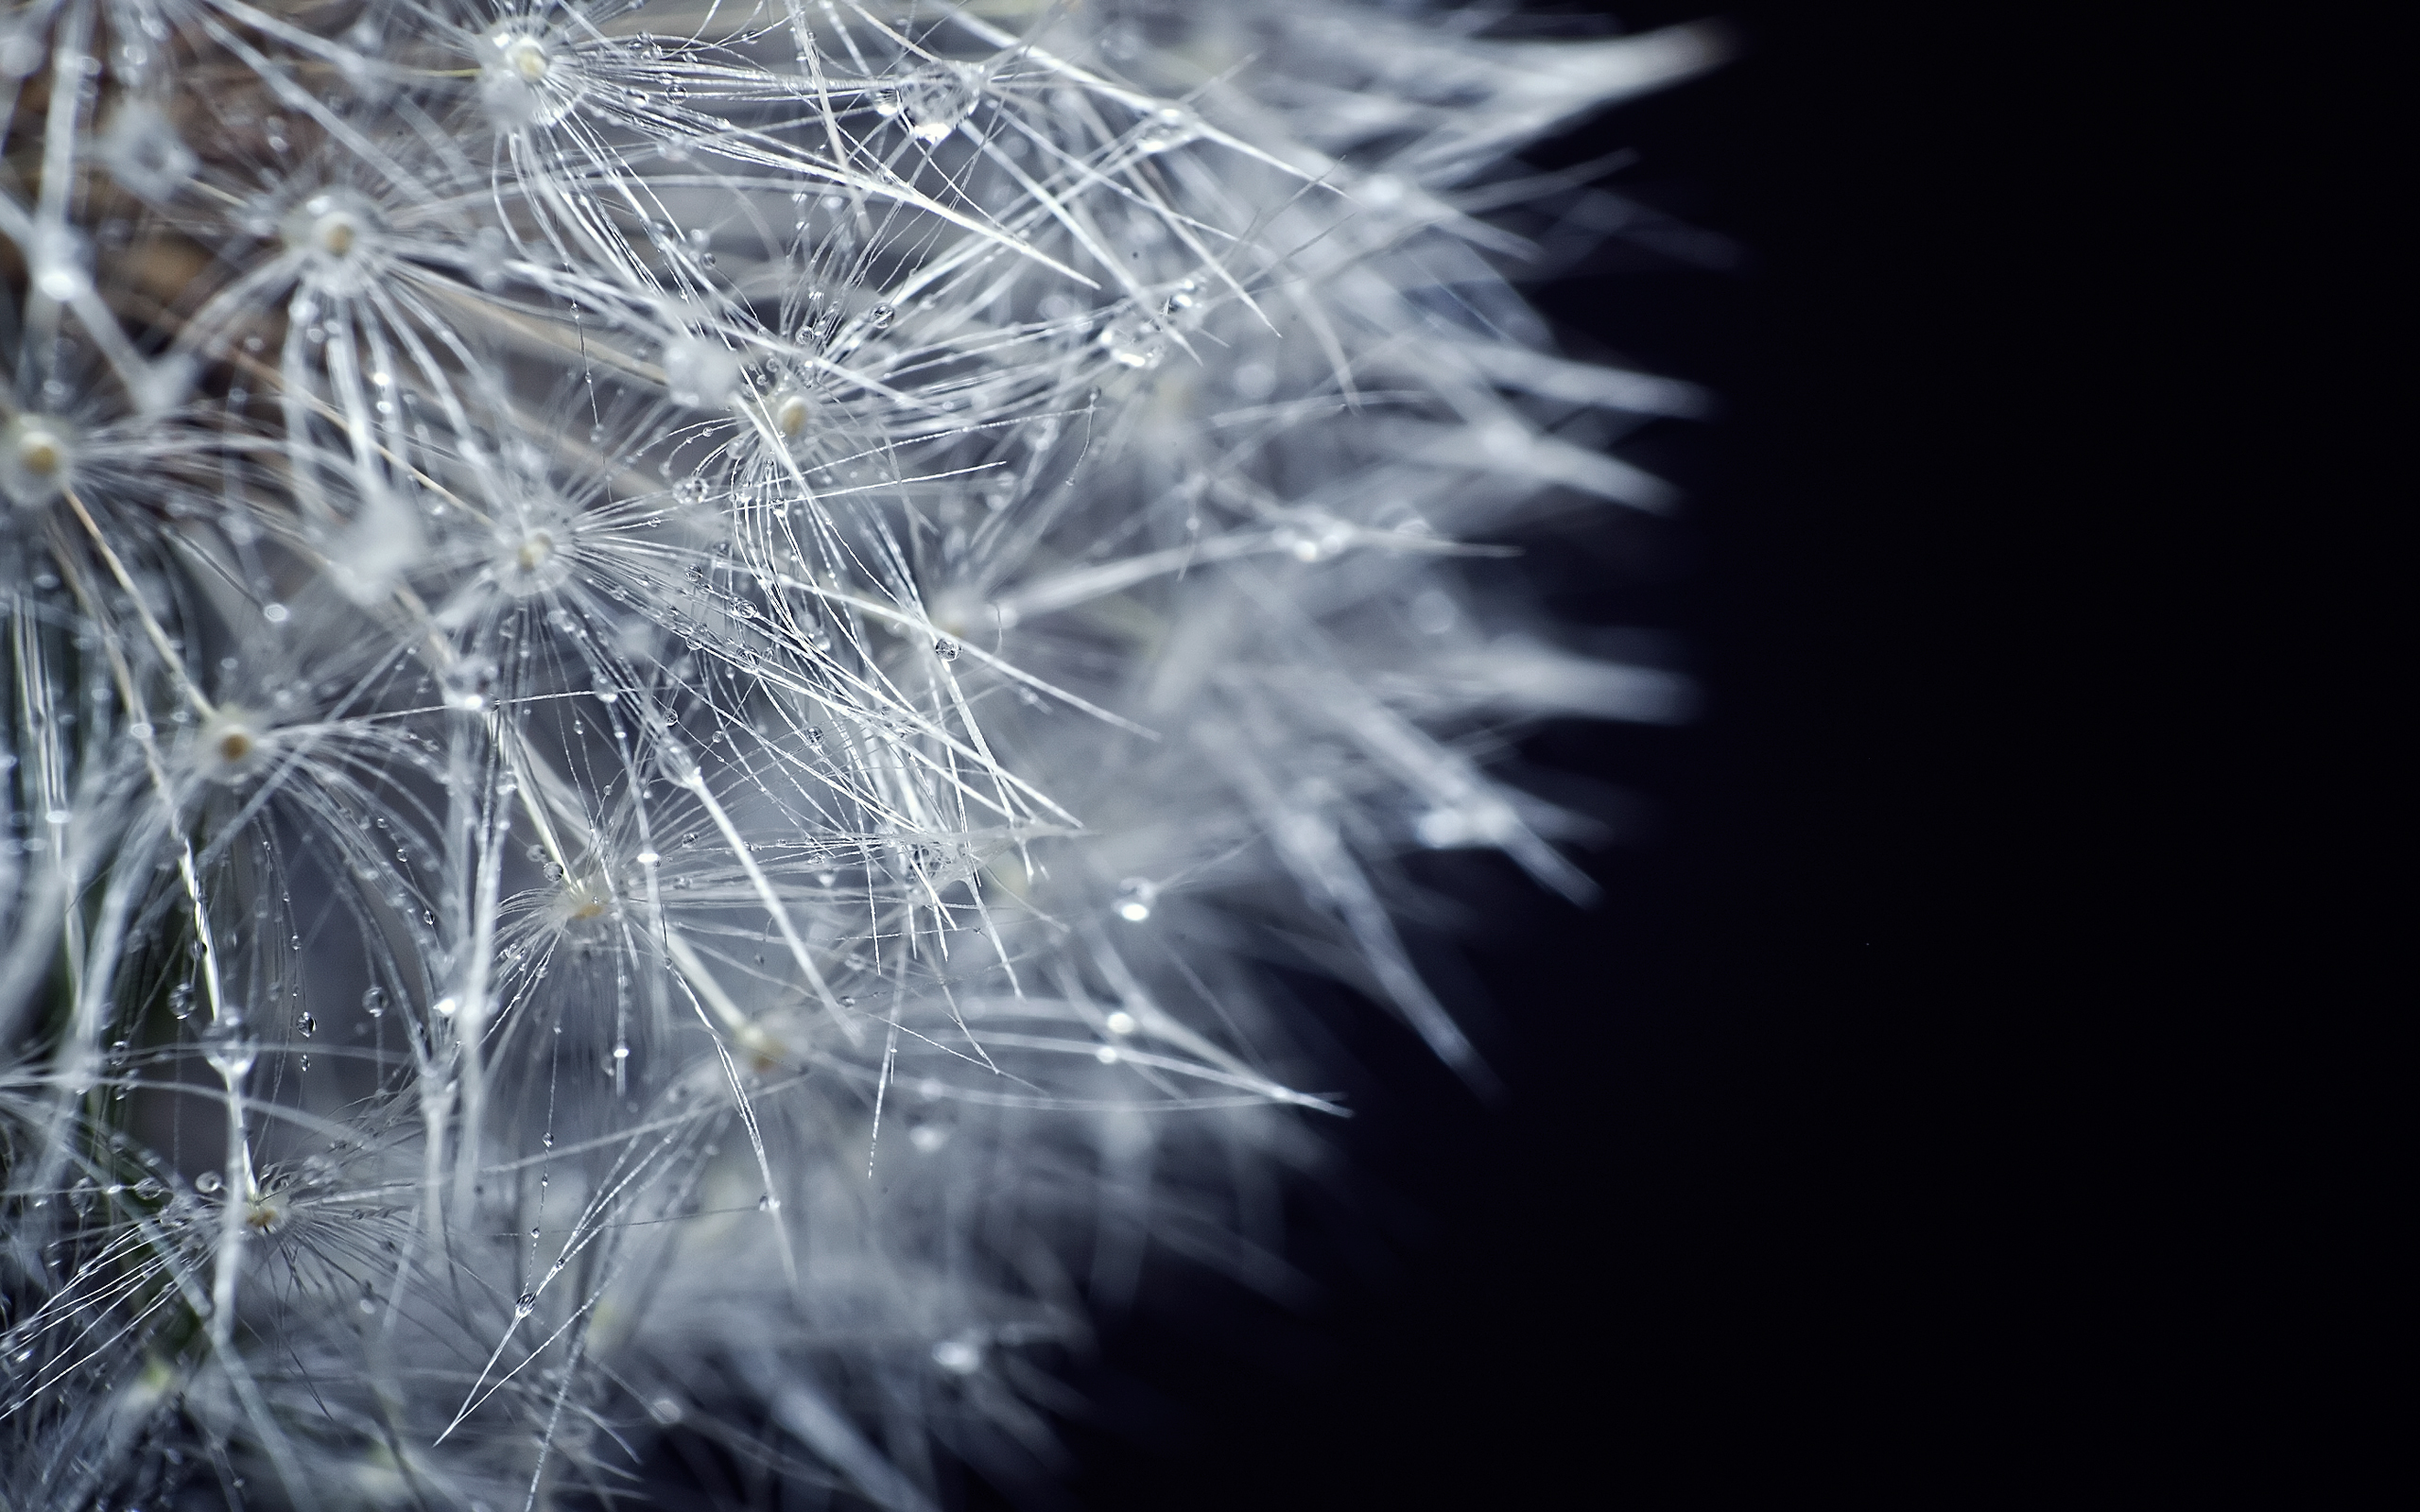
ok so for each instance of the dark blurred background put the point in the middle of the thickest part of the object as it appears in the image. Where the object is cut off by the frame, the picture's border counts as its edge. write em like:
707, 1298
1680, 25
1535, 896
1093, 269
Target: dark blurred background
1977, 1085
1752, 1220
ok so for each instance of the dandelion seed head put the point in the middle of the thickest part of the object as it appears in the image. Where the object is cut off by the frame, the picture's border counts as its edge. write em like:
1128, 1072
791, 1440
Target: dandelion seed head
678, 635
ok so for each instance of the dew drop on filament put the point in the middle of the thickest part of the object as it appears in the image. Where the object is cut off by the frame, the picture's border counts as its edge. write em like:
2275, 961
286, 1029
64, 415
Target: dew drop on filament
1134, 899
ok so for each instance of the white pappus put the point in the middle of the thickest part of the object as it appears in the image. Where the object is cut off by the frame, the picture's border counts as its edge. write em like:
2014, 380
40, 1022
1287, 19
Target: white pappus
667, 666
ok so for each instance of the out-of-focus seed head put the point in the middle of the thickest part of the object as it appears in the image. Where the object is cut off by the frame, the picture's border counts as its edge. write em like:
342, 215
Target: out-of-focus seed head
144, 152
533, 555
334, 238
233, 746
37, 458
701, 372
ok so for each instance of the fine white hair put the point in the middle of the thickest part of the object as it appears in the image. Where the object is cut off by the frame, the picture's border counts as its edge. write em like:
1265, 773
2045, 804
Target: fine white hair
670, 669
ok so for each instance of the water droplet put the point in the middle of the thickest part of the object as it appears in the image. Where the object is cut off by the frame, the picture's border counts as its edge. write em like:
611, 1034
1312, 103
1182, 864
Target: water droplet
1170, 125
308, 1024
1121, 1022
228, 1048
208, 1182
957, 1357
1132, 345
1134, 899
523, 1304
374, 1002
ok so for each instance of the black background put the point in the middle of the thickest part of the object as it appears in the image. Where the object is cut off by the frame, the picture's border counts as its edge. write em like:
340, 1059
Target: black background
1973, 1088
1764, 1213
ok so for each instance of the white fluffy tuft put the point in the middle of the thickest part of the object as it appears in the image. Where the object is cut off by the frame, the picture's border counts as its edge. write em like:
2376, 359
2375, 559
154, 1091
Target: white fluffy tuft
668, 665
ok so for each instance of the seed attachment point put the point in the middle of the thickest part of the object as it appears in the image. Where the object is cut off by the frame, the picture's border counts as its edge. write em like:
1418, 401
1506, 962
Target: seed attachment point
523, 81
37, 453
234, 746
334, 236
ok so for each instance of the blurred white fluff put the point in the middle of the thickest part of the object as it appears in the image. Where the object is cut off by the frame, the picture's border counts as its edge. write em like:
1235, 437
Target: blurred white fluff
665, 664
